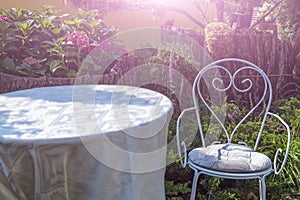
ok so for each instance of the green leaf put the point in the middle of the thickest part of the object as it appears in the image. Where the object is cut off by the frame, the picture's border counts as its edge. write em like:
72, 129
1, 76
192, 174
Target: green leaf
48, 33
25, 73
95, 23
56, 31
86, 27
10, 43
72, 62
44, 22
69, 22
21, 37
17, 12
30, 52
51, 43
72, 73
9, 64
25, 25
10, 49
82, 14
23, 67
3, 26
40, 72
55, 65
8, 38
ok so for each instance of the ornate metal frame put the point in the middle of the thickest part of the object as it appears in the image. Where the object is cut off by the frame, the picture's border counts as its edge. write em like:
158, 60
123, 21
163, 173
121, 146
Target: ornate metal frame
216, 82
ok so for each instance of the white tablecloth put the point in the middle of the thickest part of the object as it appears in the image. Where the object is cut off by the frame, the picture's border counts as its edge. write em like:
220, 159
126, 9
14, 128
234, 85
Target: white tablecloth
83, 142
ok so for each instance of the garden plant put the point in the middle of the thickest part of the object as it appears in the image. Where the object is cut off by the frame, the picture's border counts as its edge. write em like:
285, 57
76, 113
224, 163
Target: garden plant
47, 43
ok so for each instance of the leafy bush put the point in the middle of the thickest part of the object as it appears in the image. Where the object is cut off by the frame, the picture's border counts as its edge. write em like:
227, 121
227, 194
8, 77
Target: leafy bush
283, 186
178, 190
286, 16
35, 43
290, 112
219, 36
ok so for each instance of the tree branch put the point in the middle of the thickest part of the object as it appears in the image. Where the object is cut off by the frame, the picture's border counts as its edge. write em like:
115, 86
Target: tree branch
265, 15
202, 13
192, 18
174, 9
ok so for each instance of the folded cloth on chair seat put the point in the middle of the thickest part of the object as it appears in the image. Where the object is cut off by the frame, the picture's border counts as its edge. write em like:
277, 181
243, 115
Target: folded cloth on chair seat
230, 158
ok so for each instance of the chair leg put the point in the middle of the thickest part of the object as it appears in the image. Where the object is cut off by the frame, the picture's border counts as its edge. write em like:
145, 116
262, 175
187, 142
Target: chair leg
262, 188
194, 187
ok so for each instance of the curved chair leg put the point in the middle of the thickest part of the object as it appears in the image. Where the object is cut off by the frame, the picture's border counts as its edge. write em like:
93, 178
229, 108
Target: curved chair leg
262, 188
194, 187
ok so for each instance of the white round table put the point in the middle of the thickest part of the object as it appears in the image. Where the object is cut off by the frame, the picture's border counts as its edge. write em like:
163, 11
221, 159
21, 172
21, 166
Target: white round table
83, 142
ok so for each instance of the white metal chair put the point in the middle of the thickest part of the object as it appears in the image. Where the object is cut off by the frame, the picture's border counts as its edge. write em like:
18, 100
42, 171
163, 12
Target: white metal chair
230, 159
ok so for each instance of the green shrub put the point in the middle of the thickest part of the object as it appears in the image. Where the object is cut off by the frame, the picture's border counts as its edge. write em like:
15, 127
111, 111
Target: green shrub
42, 43
290, 111
177, 190
219, 39
274, 136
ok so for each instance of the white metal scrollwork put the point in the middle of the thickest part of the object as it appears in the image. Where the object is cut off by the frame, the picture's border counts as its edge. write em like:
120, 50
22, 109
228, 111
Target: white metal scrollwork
218, 84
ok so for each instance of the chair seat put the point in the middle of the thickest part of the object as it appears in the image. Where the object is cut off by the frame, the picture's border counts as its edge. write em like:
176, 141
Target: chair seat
230, 158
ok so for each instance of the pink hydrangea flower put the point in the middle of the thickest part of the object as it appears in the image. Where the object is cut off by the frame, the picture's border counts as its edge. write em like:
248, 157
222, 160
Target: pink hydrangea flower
90, 48
79, 39
30, 60
5, 19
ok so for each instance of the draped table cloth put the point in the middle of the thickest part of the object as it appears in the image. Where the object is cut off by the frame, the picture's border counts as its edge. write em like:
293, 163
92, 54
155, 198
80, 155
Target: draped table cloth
83, 142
